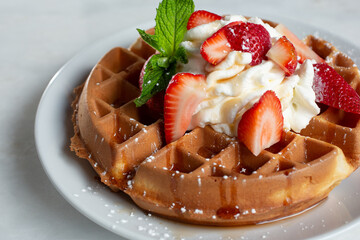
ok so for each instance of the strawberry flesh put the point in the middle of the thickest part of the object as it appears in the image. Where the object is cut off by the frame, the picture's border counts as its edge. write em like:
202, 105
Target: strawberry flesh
331, 89
216, 48
261, 126
303, 51
238, 36
183, 94
283, 53
201, 17
249, 37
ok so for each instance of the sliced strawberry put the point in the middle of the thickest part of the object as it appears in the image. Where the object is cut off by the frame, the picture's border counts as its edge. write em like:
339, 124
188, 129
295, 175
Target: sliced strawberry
156, 103
331, 89
284, 54
249, 37
303, 51
201, 17
238, 36
261, 126
183, 94
216, 48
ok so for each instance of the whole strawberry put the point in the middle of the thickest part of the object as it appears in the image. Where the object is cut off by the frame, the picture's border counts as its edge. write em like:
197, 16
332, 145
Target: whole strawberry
249, 37
331, 89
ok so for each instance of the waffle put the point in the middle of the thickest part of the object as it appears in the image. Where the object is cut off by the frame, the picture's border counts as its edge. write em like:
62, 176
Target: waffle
206, 177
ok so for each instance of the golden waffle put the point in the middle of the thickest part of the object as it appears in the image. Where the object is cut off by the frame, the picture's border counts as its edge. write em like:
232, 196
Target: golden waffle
333, 125
205, 177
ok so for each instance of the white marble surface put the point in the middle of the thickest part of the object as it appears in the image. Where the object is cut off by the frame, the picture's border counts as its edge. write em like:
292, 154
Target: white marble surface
37, 37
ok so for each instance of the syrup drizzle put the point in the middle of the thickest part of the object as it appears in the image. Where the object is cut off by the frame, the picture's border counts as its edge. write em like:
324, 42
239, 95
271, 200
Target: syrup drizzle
229, 210
116, 138
170, 164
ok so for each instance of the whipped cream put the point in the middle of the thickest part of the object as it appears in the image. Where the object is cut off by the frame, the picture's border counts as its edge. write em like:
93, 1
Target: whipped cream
233, 86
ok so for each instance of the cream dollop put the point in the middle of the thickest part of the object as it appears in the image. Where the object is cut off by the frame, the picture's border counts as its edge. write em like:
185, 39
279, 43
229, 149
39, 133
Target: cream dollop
302, 106
233, 86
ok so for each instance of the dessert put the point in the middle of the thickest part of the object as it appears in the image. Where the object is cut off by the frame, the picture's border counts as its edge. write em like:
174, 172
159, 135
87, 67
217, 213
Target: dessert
227, 169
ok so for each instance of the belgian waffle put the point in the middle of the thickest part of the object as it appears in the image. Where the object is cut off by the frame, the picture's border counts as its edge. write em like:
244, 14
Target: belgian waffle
206, 177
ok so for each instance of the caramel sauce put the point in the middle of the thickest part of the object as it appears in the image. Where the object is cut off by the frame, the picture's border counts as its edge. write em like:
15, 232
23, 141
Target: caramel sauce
222, 192
227, 212
174, 178
113, 181
168, 159
233, 193
176, 204
330, 135
287, 201
116, 138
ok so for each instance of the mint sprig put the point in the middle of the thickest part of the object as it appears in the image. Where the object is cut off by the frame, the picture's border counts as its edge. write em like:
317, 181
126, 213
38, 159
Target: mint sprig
171, 20
156, 79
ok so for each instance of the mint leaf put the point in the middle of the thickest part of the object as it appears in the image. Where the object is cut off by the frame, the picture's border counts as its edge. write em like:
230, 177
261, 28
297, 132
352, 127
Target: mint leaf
171, 20
180, 55
163, 62
156, 79
148, 38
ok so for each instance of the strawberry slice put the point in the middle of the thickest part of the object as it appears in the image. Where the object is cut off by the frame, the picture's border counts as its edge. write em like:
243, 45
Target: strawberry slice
261, 126
201, 17
183, 94
238, 36
283, 53
331, 89
156, 103
303, 51
216, 48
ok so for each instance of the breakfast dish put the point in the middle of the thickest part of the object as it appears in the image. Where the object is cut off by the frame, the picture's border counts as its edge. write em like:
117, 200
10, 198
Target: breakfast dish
176, 175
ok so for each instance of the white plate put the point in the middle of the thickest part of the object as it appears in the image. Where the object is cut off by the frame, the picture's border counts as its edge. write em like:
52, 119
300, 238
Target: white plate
74, 178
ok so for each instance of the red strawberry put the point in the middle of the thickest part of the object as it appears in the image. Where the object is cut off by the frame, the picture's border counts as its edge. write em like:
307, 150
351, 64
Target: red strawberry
331, 89
183, 94
156, 103
249, 37
201, 17
239, 36
261, 126
216, 48
303, 51
284, 54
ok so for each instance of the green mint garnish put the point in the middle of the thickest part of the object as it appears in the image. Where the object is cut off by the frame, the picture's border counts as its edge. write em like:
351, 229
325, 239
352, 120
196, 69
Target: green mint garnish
171, 20
156, 78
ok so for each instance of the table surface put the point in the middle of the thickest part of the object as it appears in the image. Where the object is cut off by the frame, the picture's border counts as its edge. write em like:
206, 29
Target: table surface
38, 37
